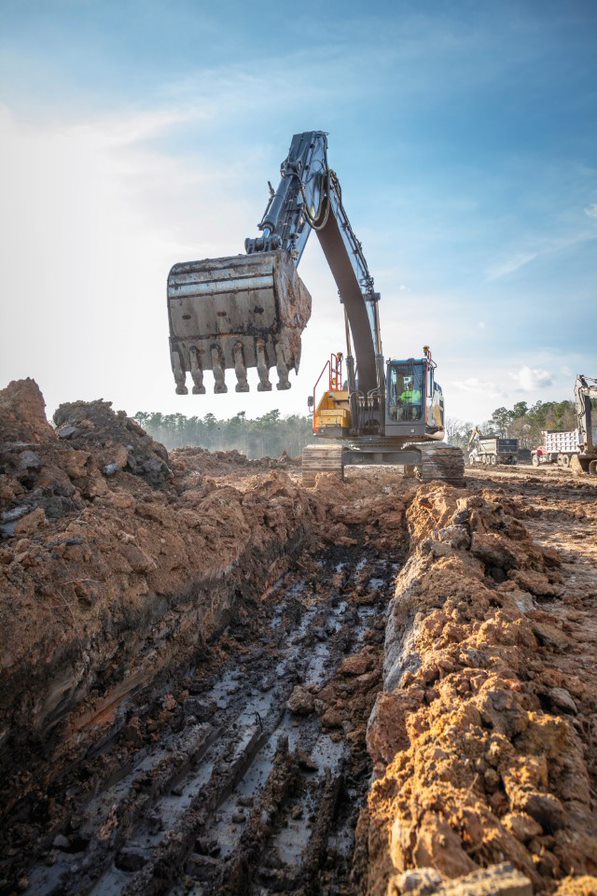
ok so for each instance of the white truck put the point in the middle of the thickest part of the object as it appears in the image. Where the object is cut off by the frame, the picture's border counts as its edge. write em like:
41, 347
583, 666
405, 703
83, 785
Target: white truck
575, 448
557, 448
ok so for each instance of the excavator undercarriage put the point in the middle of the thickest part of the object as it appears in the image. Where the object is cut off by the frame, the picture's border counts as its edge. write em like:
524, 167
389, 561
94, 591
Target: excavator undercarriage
424, 460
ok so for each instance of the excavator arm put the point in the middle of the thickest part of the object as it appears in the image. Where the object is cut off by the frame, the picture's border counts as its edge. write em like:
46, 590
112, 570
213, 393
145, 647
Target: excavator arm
250, 310
585, 393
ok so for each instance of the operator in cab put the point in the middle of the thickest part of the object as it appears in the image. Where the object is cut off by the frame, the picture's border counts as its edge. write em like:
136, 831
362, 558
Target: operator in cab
410, 398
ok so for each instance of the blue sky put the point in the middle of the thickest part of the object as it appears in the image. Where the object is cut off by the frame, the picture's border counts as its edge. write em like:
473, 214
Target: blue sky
134, 135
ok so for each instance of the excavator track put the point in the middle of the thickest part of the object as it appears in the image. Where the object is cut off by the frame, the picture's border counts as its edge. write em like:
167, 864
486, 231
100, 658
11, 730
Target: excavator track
322, 459
440, 462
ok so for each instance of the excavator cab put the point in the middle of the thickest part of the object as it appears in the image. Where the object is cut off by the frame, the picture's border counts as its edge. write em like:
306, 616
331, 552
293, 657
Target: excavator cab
414, 401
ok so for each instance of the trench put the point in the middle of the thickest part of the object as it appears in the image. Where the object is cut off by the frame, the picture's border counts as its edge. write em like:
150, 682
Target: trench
207, 782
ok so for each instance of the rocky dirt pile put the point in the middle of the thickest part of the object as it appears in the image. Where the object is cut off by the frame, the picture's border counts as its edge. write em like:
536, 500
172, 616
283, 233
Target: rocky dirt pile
481, 747
118, 443
48, 473
200, 460
22, 413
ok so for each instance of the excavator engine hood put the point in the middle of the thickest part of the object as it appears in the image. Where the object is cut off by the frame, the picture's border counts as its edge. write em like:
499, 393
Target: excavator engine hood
238, 312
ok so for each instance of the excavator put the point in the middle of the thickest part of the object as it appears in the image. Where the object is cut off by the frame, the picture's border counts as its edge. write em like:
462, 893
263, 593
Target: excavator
249, 310
576, 448
585, 401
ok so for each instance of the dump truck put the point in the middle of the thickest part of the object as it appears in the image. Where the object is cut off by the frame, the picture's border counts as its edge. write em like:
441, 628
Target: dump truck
557, 448
493, 450
249, 311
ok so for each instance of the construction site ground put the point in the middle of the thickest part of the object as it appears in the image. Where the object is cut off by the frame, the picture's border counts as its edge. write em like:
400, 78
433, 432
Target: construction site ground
217, 681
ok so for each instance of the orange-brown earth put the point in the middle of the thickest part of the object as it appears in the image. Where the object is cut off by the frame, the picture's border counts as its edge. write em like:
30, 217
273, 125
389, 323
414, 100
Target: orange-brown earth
120, 563
483, 739
109, 551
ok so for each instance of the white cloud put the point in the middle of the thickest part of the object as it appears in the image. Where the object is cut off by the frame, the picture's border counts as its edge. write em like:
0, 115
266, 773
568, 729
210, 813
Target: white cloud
544, 246
591, 210
476, 386
531, 378
123, 130
92, 221
93, 218
510, 265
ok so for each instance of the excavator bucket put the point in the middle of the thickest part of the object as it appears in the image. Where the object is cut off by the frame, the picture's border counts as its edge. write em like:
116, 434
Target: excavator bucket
238, 312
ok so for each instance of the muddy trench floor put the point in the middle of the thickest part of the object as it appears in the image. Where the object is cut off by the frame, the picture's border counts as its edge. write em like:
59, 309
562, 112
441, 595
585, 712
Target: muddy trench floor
208, 782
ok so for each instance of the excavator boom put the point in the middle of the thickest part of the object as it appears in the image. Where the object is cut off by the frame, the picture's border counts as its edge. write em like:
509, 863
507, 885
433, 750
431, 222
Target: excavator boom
250, 310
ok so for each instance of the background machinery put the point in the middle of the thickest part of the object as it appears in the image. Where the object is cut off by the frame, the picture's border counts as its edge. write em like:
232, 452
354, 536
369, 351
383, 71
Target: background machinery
491, 449
575, 448
250, 310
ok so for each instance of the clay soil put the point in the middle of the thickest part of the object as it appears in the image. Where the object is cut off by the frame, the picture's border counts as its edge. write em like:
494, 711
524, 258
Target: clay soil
215, 680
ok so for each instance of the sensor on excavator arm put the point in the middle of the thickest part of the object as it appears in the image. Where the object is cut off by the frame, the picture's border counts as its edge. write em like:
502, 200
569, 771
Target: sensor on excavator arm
250, 310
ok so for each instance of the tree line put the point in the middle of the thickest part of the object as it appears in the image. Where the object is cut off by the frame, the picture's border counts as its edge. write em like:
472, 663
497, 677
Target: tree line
271, 434
519, 422
267, 436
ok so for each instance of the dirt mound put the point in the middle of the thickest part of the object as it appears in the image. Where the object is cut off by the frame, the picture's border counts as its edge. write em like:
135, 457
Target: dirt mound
135, 573
47, 474
195, 459
22, 413
118, 442
475, 739
112, 566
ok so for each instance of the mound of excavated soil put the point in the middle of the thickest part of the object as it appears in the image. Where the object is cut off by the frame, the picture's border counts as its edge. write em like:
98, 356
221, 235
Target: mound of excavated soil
200, 460
22, 413
104, 577
49, 474
118, 442
477, 741
113, 568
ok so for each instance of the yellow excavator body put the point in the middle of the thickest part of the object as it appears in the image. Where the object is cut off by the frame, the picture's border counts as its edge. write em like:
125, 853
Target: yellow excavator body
332, 414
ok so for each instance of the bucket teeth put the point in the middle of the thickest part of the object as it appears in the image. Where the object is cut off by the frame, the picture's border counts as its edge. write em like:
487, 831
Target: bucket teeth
262, 367
180, 375
238, 312
218, 370
196, 373
281, 367
240, 368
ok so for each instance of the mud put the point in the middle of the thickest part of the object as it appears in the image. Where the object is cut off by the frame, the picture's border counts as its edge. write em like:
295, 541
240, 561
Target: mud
225, 787
215, 680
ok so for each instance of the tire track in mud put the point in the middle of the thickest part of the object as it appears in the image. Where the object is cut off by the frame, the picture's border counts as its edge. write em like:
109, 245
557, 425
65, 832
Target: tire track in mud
247, 796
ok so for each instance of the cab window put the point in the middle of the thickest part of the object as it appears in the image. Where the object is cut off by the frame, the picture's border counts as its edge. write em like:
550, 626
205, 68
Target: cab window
406, 392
